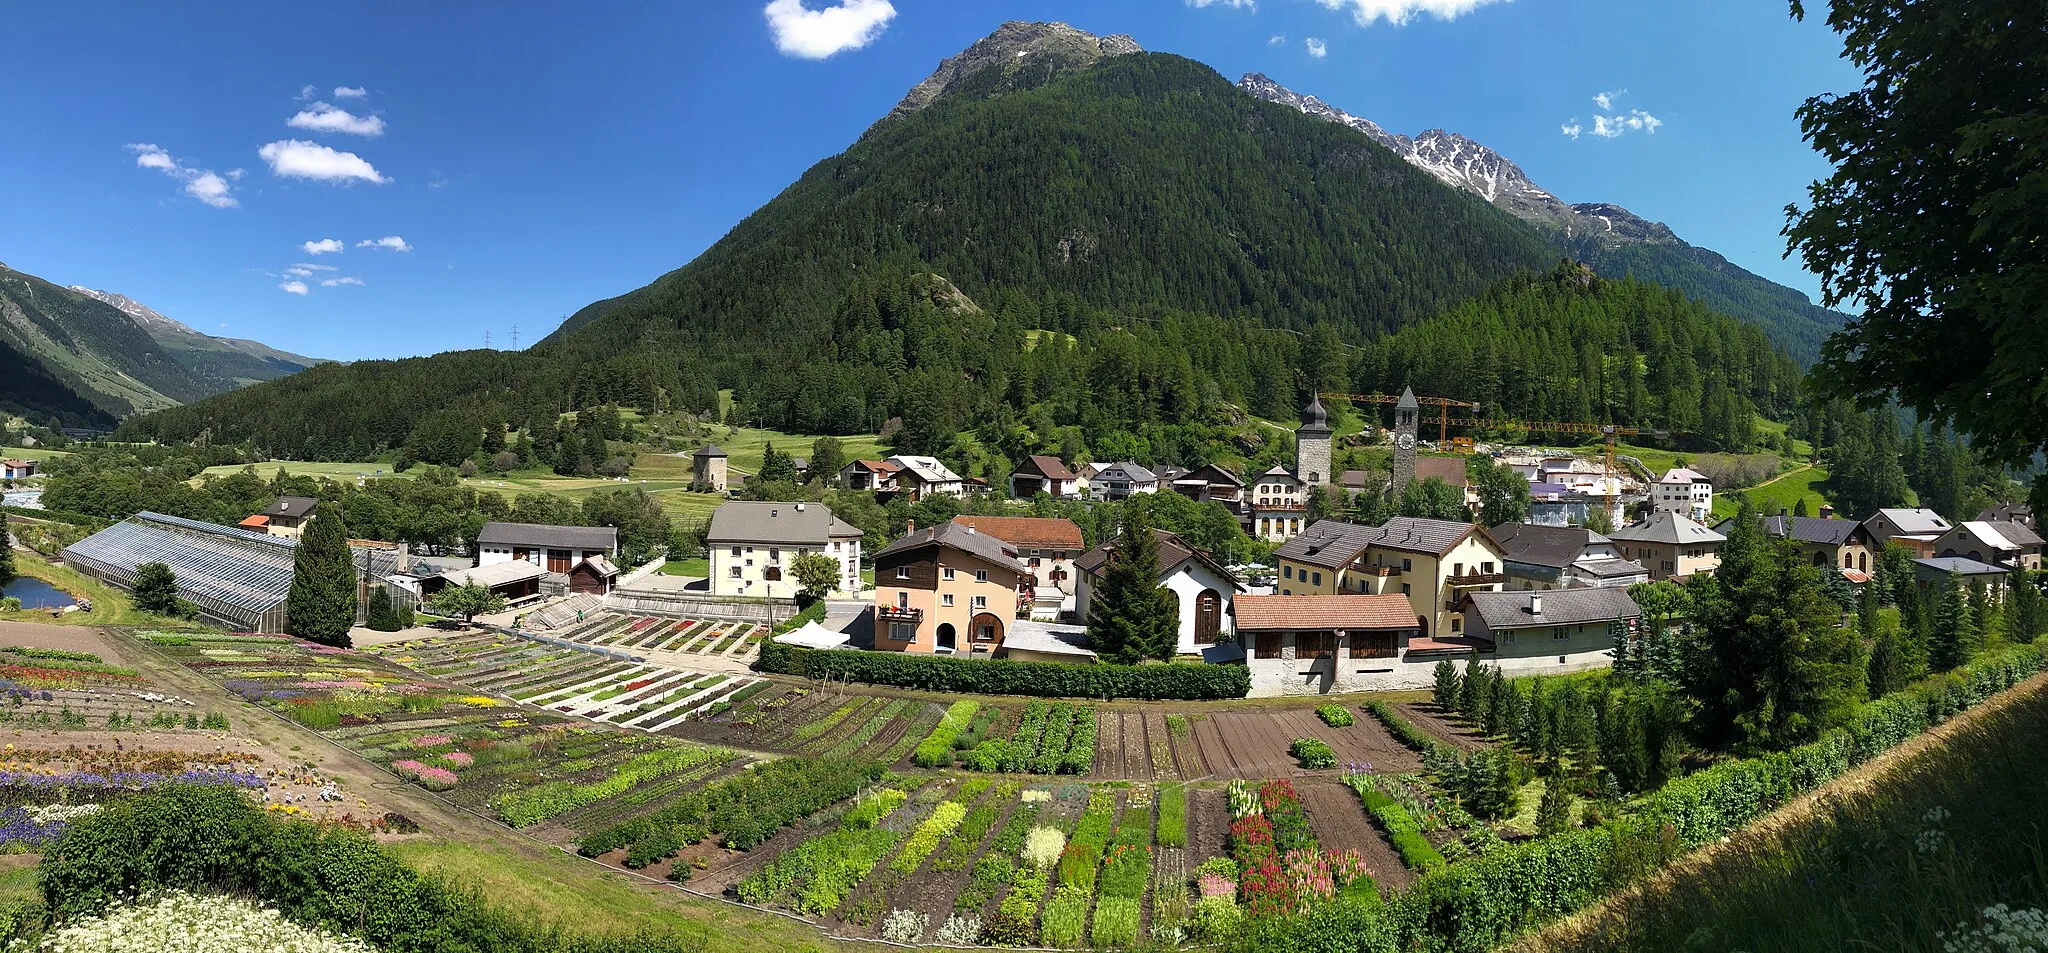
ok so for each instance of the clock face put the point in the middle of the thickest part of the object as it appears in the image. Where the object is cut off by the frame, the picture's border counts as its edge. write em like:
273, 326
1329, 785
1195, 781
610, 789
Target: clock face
1405, 441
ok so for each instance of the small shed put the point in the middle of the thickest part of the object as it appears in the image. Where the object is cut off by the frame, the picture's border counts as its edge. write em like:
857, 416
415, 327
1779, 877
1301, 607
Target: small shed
594, 575
516, 581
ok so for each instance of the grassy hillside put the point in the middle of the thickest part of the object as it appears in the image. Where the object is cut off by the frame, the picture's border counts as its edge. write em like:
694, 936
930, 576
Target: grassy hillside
1906, 854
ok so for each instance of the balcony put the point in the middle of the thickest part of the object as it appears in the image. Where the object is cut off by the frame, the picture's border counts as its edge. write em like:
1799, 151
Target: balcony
1476, 579
900, 613
1279, 507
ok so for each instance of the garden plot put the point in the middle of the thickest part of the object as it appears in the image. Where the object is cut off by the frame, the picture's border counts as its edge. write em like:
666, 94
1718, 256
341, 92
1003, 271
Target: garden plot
1438, 723
765, 716
1254, 744
638, 634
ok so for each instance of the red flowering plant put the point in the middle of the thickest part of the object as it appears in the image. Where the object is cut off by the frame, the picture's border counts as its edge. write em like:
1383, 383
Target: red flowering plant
1265, 889
1251, 840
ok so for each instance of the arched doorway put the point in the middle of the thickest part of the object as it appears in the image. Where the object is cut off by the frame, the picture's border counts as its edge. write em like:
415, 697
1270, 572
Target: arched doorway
988, 630
1422, 626
949, 639
1208, 616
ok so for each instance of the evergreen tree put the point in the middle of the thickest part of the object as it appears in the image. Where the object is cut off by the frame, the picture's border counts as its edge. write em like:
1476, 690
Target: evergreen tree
322, 605
1769, 666
828, 457
7, 571
383, 617
1952, 635
2029, 611
156, 589
1554, 812
776, 466
1896, 657
1446, 691
1470, 686
1130, 616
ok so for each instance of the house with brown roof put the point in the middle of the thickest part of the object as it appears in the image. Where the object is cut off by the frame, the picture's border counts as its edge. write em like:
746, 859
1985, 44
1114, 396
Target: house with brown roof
874, 476
1040, 473
1315, 645
1210, 483
287, 516
1203, 589
1431, 562
947, 589
17, 469
1047, 547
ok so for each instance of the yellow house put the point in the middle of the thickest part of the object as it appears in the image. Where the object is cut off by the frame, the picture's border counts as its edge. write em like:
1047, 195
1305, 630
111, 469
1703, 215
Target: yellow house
1435, 563
948, 590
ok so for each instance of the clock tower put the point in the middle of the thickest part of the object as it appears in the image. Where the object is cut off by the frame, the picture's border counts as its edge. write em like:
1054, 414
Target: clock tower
1407, 414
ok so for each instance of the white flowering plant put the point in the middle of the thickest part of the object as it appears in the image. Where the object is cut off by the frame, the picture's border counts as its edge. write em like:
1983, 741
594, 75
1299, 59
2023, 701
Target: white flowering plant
183, 921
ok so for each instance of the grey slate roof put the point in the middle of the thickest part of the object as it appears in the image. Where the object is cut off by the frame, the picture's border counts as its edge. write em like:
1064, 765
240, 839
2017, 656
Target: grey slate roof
541, 535
1913, 522
1510, 610
1173, 551
1960, 564
1609, 568
1553, 546
297, 506
1668, 528
1027, 635
2019, 534
1805, 529
1126, 471
1328, 543
961, 537
2008, 513
794, 524
1418, 535
709, 450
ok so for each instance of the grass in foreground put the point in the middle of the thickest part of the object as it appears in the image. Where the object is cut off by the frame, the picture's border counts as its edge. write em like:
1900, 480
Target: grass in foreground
586, 899
1892, 862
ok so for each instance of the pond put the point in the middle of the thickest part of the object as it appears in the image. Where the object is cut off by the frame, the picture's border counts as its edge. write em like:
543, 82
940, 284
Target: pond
37, 594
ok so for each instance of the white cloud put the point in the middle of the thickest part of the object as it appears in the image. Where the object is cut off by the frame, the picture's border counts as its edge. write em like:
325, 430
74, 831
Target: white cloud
1276, 39
1252, 5
391, 242
1316, 47
332, 282
312, 267
350, 92
307, 92
223, 325
1606, 100
298, 272
320, 117
299, 159
816, 34
236, 174
435, 179
202, 184
294, 288
1616, 126
1399, 12
1572, 128
322, 247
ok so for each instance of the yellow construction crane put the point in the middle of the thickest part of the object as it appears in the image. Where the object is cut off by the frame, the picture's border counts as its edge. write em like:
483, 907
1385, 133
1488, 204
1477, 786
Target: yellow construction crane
1444, 405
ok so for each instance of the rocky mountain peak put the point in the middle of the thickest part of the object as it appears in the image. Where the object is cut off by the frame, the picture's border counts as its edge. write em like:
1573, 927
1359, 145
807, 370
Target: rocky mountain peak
149, 318
1034, 51
1463, 163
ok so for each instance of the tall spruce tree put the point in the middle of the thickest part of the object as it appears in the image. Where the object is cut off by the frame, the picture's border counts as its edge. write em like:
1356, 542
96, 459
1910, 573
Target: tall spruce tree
1952, 633
1897, 659
2029, 611
1130, 616
1769, 666
7, 571
322, 604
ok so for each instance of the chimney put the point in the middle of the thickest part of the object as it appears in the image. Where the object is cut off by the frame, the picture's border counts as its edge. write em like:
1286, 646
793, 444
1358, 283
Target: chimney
1536, 604
799, 507
970, 529
909, 526
774, 513
1827, 511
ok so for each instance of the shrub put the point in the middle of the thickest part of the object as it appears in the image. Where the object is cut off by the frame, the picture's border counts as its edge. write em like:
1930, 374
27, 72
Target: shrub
1043, 847
1178, 680
1402, 829
937, 748
904, 926
960, 929
1312, 753
1403, 730
1218, 920
1336, 716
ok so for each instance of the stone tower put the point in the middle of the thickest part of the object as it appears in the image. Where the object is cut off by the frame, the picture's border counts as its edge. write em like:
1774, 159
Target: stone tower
708, 466
1407, 414
1312, 445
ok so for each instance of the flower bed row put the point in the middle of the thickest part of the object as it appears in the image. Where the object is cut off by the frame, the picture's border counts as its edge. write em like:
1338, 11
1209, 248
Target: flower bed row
1051, 738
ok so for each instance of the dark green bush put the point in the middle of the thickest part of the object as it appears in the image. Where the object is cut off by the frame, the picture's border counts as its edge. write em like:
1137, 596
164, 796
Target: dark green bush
938, 673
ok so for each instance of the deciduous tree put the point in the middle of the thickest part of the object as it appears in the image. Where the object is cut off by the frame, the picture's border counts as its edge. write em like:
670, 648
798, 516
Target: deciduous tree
467, 600
816, 576
156, 589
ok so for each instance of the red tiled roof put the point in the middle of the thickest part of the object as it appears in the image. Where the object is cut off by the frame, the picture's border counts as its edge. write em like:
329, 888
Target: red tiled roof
1855, 577
1451, 470
1267, 613
1027, 532
257, 520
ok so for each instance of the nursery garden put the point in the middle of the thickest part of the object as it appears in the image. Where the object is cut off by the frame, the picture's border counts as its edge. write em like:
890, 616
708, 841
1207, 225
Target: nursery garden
738, 642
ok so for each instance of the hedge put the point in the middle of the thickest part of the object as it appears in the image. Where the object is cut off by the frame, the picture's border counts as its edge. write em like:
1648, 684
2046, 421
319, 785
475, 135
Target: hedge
84, 520
1477, 905
213, 840
1403, 730
939, 673
1402, 828
937, 748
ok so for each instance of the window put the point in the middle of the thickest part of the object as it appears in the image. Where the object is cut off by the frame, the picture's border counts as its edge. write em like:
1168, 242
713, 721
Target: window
981, 602
903, 572
1315, 645
1457, 623
981, 575
774, 555
902, 632
1268, 645
946, 600
1457, 569
1287, 572
735, 572
1034, 554
1558, 635
735, 550
1407, 565
1405, 590
1373, 645
1486, 569
985, 632
946, 573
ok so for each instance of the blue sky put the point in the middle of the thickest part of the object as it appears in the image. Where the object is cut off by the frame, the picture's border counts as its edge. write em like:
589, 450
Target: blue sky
531, 159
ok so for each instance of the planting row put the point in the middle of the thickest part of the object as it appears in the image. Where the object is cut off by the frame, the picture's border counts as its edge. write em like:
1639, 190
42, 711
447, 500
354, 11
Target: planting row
635, 635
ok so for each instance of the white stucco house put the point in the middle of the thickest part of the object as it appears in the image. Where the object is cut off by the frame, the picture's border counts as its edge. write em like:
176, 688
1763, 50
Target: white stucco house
1203, 588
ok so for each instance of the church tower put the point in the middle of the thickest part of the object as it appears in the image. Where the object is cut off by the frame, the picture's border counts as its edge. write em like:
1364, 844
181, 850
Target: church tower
1312, 445
1407, 414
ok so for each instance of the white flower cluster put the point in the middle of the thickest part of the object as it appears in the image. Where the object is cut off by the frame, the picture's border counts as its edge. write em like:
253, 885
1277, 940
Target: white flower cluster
960, 929
47, 813
2004, 930
169, 922
904, 926
1035, 796
330, 792
1042, 847
163, 699
1930, 838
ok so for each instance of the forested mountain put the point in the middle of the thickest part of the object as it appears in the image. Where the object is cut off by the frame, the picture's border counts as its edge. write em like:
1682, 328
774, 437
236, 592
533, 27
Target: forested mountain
1084, 248
92, 353
1614, 240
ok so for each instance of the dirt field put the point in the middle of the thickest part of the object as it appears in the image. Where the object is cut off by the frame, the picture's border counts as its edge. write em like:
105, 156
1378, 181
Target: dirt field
1248, 744
1426, 717
1338, 819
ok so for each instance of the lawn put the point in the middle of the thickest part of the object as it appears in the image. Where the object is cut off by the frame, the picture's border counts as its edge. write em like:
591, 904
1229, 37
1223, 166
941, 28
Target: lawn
110, 606
1783, 493
32, 453
586, 898
694, 566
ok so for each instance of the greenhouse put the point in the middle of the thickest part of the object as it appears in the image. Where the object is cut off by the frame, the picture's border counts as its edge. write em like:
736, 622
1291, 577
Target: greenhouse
234, 577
